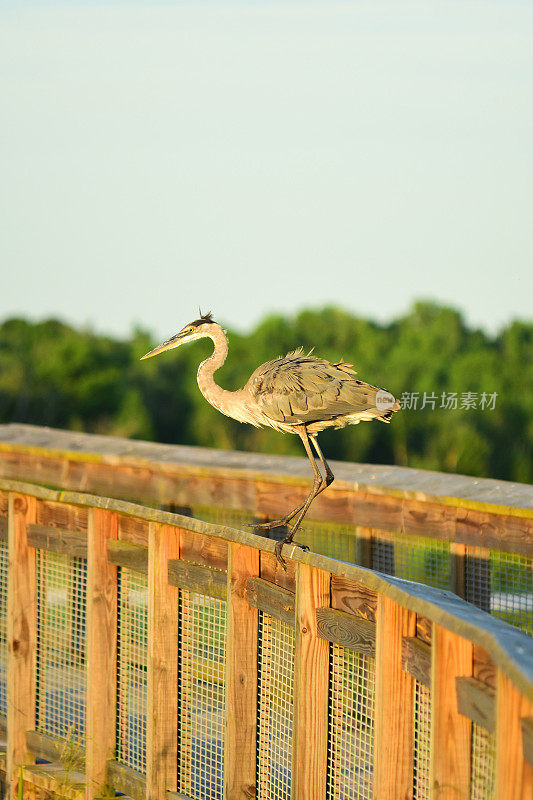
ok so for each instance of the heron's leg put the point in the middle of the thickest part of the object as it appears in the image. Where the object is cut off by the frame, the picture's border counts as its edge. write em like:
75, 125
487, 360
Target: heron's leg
276, 523
330, 477
301, 510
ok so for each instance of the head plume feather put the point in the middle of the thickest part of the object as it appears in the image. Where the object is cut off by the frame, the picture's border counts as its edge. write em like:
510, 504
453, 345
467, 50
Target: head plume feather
203, 318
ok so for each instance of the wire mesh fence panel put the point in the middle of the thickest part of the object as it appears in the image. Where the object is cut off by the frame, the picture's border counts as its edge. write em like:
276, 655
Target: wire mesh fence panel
3, 627
275, 723
330, 539
232, 517
416, 558
422, 559
501, 583
60, 663
511, 596
351, 725
482, 785
383, 552
132, 651
421, 744
201, 695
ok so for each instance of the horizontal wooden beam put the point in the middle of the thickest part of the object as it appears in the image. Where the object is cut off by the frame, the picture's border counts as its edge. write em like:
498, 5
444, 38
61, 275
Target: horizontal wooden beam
56, 750
271, 599
57, 540
126, 780
416, 659
477, 701
66, 456
126, 554
527, 738
198, 578
347, 630
53, 780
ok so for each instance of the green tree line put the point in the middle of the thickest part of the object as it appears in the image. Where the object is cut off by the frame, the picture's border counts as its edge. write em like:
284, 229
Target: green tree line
52, 374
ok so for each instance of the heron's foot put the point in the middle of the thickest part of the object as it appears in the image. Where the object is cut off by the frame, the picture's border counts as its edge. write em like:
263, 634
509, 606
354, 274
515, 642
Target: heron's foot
279, 547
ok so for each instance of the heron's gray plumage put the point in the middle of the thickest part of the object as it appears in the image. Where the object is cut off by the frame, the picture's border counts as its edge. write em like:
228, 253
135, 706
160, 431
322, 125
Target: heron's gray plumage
302, 389
297, 393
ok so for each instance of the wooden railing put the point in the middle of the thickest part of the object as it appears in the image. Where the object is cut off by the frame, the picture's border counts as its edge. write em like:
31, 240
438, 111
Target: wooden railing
163, 656
472, 536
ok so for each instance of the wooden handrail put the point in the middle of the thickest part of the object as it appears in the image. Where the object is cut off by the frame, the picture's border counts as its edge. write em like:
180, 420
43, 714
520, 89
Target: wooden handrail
508, 647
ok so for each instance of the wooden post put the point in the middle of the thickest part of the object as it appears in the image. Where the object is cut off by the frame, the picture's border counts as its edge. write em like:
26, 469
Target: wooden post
21, 614
452, 657
311, 670
241, 676
101, 649
161, 720
458, 568
514, 776
393, 748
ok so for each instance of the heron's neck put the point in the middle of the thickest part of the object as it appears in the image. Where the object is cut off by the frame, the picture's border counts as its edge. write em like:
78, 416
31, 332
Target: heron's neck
214, 394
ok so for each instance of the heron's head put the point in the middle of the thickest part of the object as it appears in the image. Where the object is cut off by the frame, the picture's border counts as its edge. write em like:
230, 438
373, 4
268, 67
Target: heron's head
194, 330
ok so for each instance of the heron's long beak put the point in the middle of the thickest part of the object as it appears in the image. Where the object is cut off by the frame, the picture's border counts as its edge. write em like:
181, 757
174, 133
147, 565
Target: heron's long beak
175, 341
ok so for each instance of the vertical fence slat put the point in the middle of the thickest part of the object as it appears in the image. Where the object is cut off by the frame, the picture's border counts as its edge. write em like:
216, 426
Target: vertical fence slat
393, 749
21, 611
161, 723
514, 776
452, 656
101, 649
311, 687
241, 676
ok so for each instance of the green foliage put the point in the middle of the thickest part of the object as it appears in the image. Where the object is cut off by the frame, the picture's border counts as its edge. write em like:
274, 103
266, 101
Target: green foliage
51, 374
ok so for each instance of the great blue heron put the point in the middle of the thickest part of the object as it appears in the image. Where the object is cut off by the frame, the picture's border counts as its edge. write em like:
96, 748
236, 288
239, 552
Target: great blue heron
297, 393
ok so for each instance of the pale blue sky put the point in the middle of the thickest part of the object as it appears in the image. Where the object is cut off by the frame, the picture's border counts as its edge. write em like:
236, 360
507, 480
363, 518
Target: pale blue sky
265, 156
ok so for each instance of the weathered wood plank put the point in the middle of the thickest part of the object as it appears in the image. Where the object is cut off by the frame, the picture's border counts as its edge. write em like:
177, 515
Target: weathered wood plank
4, 504
62, 515
21, 637
433, 520
126, 780
477, 701
197, 578
162, 677
133, 530
58, 540
514, 774
205, 550
527, 739
424, 628
416, 659
73, 451
272, 570
393, 744
3, 529
56, 750
43, 781
494, 531
271, 599
347, 630
310, 734
484, 668
450, 731
126, 554
101, 649
241, 676
355, 598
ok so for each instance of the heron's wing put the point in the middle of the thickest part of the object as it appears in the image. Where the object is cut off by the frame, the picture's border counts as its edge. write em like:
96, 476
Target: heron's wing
301, 389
